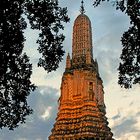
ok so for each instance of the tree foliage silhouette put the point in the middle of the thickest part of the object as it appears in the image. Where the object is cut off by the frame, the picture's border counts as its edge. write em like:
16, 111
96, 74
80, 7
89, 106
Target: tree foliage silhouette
15, 69
129, 68
47, 17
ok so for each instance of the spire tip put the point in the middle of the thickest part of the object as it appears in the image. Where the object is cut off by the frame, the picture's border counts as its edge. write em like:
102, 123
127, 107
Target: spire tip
82, 10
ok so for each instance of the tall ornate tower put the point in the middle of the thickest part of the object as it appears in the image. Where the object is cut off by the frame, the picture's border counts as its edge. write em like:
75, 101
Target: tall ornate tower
81, 112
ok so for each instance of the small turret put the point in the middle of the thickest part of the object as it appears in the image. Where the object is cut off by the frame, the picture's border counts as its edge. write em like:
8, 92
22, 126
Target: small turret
96, 64
68, 62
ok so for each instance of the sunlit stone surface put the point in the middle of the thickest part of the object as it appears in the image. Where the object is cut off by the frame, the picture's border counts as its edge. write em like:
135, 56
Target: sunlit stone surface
81, 113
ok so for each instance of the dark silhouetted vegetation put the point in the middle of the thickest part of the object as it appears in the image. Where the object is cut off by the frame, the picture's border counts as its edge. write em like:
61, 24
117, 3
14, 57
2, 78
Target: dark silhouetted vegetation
129, 68
15, 68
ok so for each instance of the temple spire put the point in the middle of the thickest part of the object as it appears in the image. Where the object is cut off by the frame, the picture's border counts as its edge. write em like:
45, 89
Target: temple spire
81, 111
82, 10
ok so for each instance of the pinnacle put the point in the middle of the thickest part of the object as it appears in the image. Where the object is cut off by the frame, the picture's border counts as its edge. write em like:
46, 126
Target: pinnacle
82, 9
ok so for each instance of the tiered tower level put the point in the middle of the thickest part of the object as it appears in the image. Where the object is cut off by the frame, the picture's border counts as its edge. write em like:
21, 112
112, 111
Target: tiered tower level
81, 112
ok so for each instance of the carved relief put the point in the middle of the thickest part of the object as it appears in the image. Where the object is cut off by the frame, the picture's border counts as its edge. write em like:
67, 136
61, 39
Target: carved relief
100, 95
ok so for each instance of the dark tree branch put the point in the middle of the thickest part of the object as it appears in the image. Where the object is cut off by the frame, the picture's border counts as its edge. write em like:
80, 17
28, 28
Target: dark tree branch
48, 17
129, 69
15, 69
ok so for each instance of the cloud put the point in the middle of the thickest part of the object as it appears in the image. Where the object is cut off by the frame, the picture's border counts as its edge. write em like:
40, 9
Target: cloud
47, 112
123, 109
117, 116
124, 129
125, 124
130, 136
22, 139
38, 125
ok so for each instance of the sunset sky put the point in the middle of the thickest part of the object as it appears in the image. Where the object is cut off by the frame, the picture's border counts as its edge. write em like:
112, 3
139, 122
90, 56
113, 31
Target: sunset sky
122, 106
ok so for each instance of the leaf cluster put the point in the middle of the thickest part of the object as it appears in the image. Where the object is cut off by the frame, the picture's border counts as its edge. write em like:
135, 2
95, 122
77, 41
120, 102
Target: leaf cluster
129, 68
15, 69
47, 17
